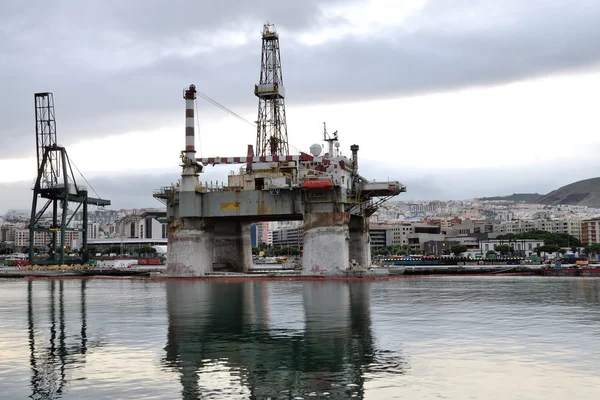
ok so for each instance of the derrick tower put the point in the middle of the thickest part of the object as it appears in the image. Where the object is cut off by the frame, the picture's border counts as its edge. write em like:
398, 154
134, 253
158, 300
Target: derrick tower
271, 134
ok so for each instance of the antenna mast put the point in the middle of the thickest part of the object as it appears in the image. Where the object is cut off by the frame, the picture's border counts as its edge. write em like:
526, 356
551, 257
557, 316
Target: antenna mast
271, 134
330, 140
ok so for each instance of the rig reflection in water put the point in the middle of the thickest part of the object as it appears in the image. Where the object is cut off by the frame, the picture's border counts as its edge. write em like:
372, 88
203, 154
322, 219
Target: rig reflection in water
223, 329
50, 356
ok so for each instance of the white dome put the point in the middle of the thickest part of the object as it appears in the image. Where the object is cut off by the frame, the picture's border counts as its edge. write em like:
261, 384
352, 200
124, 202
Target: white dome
316, 149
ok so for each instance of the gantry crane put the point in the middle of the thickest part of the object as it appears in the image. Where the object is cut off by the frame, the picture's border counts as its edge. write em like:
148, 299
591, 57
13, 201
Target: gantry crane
56, 183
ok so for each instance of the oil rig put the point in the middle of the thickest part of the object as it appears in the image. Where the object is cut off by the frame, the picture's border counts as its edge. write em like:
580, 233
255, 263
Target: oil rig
209, 227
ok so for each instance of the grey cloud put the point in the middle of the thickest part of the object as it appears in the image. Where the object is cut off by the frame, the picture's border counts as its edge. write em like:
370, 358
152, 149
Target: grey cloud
109, 65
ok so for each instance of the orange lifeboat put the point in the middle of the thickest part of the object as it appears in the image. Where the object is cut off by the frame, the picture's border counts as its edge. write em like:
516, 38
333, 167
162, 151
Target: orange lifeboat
317, 184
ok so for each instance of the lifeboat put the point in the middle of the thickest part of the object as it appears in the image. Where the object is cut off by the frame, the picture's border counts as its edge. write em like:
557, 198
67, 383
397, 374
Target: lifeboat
317, 184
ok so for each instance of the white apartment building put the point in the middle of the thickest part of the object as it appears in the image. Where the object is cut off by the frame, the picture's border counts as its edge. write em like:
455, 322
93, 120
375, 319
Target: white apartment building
571, 227
400, 233
72, 238
153, 228
93, 230
7, 232
129, 227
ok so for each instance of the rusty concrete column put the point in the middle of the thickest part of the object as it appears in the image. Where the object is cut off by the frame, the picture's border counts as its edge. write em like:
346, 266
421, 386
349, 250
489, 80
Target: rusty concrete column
360, 241
325, 244
190, 247
232, 246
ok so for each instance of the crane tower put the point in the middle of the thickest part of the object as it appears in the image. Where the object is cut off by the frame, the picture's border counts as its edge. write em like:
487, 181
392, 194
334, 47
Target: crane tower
55, 182
271, 135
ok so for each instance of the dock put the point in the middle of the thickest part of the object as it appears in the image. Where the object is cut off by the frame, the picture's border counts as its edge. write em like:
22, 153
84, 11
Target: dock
374, 273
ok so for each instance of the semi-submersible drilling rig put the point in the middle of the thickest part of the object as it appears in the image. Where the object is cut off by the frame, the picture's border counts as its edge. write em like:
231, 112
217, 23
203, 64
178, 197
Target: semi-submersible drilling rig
209, 228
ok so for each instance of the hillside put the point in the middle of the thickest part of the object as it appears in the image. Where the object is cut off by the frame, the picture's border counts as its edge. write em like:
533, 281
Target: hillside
517, 197
581, 193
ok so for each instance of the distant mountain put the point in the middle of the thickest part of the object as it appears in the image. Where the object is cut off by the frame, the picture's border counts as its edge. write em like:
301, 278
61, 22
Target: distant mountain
517, 197
581, 193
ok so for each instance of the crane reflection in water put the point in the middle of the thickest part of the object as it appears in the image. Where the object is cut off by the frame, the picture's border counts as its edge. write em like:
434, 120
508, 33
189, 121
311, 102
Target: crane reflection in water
224, 328
51, 355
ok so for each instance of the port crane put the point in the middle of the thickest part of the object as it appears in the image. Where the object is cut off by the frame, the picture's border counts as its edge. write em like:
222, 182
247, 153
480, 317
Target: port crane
56, 183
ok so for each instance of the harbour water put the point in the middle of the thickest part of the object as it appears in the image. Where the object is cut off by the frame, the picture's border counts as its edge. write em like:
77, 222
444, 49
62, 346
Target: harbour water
417, 338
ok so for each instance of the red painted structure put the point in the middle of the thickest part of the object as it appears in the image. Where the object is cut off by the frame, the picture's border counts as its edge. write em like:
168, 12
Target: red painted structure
317, 184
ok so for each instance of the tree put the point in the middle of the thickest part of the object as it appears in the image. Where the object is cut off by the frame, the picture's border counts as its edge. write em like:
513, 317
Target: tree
383, 251
114, 249
458, 249
399, 250
593, 248
145, 250
284, 251
560, 239
504, 249
550, 248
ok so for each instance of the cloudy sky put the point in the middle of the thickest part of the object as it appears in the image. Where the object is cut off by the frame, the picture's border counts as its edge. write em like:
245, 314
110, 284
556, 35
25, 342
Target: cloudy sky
454, 98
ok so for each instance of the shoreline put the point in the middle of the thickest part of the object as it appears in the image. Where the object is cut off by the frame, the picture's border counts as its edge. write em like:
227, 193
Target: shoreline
158, 273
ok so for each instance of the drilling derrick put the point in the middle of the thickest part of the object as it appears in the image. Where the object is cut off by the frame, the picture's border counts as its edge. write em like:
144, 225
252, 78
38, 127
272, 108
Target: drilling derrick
271, 135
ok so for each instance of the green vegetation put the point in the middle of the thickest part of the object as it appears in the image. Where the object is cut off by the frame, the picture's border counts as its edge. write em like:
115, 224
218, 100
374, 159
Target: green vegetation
270, 251
145, 250
390, 251
458, 249
516, 197
559, 239
505, 249
593, 248
548, 248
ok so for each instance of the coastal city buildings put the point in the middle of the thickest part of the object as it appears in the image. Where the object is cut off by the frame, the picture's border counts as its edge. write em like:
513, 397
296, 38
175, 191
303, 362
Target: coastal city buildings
102, 225
429, 227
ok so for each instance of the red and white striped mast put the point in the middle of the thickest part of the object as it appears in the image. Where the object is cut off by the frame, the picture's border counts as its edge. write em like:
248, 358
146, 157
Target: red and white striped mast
191, 168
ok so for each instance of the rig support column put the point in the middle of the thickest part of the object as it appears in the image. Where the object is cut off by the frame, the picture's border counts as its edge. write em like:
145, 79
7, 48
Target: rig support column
360, 241
326, 240
190, 247
232, 246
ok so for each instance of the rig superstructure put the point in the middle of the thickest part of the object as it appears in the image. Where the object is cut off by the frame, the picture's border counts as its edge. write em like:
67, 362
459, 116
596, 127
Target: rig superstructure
209, 228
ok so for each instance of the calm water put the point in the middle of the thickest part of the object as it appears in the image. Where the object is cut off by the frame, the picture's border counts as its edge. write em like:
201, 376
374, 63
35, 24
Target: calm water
449, 338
